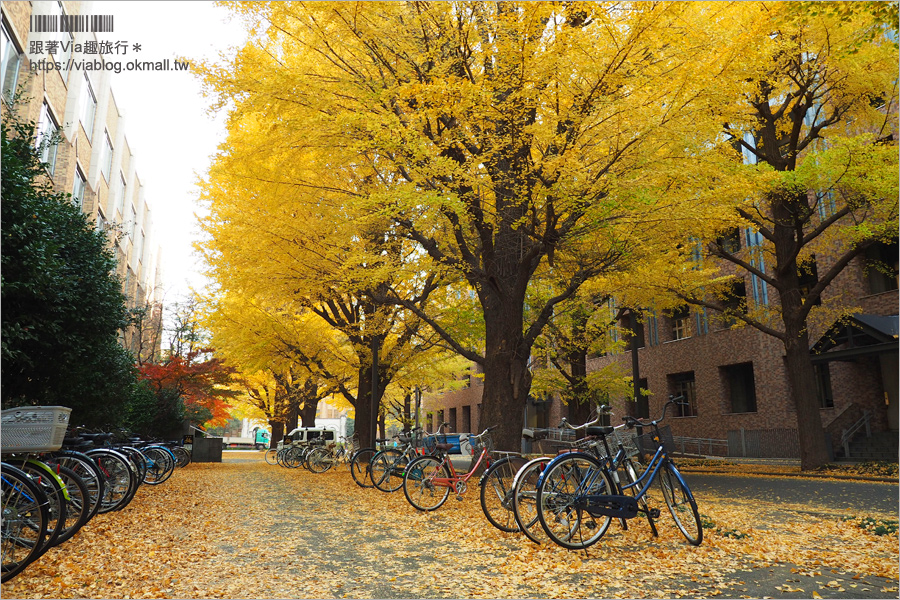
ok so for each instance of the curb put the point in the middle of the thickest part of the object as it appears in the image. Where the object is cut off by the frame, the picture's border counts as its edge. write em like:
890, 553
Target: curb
800, 475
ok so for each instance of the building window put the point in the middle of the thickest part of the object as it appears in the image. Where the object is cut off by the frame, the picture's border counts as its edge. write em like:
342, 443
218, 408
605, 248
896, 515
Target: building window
132, 222
823, 385
882, 267
730, 241
139, 248
682, 384
88, 107
681, 323
106, 157
10, 62
78, 188
467, 418
123, 189
101, 221
46, 141
454, 426
741, 387
734, 301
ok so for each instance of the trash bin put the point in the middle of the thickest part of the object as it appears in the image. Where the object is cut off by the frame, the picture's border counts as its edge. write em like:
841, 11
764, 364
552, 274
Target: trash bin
207, 449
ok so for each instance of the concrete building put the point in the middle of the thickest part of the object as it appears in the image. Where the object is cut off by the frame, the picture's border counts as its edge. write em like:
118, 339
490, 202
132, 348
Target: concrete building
93, 161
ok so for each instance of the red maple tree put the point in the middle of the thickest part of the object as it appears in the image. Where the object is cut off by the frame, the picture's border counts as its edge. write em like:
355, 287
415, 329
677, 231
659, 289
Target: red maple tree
202, 385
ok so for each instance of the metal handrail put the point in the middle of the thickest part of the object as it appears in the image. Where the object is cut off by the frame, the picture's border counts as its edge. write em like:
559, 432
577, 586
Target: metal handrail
851, 431
684, 443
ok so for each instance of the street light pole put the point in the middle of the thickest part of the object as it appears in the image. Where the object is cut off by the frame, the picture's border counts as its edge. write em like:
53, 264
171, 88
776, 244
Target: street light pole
372, 406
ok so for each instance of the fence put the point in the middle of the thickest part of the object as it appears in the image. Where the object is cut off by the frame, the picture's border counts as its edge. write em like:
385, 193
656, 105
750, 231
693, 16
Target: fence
764, 443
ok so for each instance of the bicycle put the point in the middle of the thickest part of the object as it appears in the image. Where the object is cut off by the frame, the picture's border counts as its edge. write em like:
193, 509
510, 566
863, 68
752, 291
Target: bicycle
577, 500
427, 475
25, 520
497, 491
389, 465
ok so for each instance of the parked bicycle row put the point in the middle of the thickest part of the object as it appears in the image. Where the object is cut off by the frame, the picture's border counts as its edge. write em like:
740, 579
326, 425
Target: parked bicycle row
53, 485
570, 498
313, 449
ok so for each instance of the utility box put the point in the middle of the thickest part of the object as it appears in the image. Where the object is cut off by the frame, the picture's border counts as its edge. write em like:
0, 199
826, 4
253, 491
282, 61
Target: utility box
206, 449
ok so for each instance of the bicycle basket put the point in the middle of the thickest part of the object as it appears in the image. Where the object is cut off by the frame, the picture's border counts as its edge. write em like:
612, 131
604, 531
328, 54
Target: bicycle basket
34, 428
477, 444
649, 442
453, 440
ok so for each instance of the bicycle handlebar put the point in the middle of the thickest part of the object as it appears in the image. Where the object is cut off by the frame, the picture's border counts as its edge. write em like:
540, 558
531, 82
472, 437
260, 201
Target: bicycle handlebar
602, 409
635, 422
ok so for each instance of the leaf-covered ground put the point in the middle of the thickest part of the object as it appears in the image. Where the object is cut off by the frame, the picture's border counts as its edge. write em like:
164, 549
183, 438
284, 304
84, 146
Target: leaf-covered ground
245, 529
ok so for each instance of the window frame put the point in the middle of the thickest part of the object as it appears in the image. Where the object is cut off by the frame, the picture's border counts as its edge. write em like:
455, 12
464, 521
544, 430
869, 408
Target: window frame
47, 129
88, 98
681, 323
684, 384
741, 374
10, 49
106, 161
79, 177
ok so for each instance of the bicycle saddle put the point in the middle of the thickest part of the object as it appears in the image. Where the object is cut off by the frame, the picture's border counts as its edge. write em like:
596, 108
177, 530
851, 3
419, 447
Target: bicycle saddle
600, 431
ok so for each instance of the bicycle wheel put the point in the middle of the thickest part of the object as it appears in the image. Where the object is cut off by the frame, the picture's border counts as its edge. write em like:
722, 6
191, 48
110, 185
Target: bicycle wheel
388, 467
631, 476
419, 486
78, 506
57, 503
681, 503
360, 467
319, 460
120, 478
497, 492
271, 456
561, 497
293, 458
24, 523
183, 457
525, 499
87, 470
160, 464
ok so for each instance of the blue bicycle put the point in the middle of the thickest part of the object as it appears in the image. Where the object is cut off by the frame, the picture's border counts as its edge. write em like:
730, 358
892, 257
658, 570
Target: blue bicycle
577, 499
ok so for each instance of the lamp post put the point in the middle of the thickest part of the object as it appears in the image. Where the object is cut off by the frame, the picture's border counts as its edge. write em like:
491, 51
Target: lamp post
372, 406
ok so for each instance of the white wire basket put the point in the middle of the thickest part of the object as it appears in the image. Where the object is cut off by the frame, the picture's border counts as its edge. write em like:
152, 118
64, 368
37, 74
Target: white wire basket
33, 428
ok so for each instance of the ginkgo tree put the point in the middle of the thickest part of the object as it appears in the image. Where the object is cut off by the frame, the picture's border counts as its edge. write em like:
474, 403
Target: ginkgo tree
497, 137
815, 117
303, 275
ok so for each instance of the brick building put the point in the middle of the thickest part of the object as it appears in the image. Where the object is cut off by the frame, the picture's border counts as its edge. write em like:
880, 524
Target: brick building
735, 377
93, 161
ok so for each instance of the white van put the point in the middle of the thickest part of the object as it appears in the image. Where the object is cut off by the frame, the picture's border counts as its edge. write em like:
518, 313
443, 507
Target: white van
308, 434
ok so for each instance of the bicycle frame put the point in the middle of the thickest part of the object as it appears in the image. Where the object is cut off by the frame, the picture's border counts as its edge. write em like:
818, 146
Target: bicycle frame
455, 477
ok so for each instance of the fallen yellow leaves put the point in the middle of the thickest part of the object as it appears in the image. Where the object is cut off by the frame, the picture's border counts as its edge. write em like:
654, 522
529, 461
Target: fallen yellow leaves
244, 529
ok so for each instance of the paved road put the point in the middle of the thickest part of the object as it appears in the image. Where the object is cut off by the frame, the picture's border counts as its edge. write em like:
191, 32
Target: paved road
827, 496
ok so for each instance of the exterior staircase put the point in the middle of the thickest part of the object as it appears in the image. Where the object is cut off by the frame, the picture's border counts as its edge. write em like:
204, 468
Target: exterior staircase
880, 446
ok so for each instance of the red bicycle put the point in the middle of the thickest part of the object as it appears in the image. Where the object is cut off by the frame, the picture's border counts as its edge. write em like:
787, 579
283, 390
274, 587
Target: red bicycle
429, 479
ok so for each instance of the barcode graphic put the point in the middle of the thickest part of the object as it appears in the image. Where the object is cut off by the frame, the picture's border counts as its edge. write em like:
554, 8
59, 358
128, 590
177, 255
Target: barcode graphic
71, 23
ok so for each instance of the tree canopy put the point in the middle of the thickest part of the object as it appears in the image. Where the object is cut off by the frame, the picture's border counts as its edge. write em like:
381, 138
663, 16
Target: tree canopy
63, 308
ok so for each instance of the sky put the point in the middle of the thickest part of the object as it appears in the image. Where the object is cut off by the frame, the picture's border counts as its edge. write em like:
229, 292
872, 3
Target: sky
167, 124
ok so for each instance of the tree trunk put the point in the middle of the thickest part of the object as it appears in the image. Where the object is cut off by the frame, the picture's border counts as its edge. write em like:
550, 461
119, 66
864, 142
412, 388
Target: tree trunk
507, 380
277, 428
366, 410
308, 412
801, 376
578, 396
787, 208
293, 413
